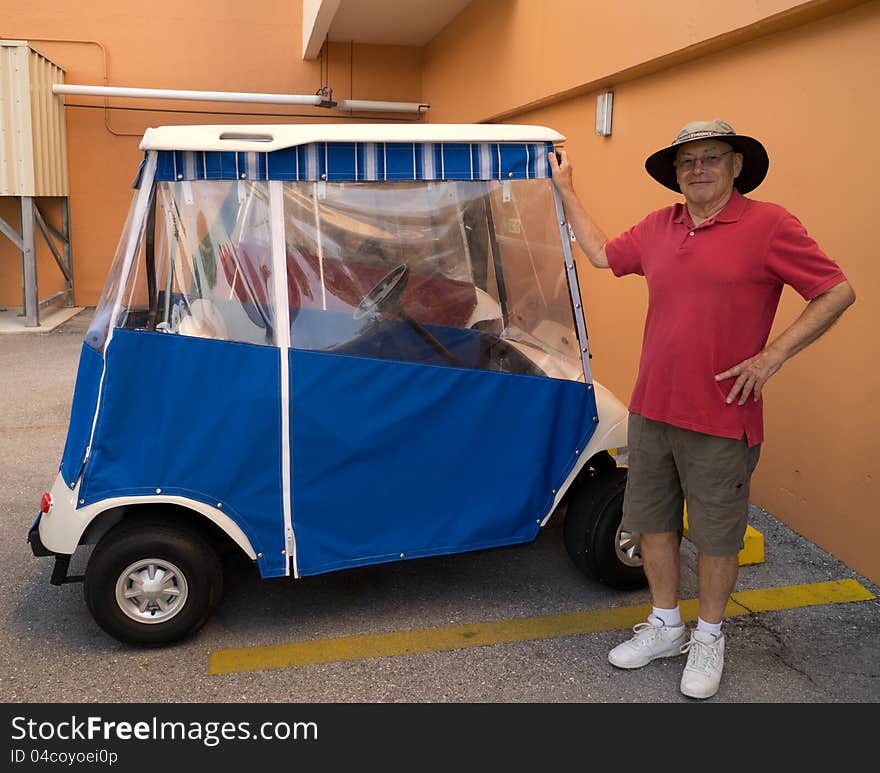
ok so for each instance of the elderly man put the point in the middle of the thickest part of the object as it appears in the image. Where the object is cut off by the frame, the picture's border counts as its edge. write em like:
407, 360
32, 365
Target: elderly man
715, 267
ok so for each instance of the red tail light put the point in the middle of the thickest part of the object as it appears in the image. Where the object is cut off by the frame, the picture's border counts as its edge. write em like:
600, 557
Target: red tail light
46, 502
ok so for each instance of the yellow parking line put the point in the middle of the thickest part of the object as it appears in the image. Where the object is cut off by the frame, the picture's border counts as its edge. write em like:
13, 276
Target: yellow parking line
753, 543
454, 637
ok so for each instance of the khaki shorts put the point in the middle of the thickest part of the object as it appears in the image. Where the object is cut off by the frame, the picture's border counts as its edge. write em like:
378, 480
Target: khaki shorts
668, 465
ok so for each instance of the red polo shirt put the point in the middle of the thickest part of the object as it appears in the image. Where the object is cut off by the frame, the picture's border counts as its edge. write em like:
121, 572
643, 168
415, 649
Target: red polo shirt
712, 295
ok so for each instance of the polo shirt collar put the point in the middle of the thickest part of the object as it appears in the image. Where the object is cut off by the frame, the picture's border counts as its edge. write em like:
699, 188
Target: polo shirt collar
730, 214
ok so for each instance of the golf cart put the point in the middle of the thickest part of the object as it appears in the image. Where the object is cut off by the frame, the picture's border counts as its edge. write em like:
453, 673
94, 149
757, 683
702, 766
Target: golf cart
329, 346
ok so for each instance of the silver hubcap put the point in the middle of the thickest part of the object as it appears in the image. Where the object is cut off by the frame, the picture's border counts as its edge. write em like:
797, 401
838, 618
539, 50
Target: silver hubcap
151, 590
627, 548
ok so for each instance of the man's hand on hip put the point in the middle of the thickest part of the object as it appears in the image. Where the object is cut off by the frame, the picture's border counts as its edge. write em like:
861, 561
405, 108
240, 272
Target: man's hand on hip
751, 375
819, 315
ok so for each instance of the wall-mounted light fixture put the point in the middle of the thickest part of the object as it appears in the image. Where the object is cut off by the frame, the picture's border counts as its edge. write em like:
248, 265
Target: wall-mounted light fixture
604, 104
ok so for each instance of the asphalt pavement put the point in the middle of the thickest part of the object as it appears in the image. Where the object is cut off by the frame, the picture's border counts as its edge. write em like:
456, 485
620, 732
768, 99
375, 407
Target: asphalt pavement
52, 651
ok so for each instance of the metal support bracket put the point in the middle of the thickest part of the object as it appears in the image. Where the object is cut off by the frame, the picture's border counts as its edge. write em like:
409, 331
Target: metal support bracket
26, 244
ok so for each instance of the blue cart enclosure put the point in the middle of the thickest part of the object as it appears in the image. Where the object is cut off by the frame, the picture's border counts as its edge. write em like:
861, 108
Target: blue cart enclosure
358, 351
389, 459
398, 460
194, 418
82, 413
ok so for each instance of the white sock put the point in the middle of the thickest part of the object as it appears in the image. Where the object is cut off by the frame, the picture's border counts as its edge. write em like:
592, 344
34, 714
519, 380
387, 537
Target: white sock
671, 617
714, 628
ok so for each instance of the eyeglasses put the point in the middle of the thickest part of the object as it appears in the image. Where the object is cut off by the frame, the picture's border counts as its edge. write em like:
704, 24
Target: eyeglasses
710, 160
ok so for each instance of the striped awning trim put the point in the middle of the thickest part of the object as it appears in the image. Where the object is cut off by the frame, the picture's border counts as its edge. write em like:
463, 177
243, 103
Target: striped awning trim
347, 161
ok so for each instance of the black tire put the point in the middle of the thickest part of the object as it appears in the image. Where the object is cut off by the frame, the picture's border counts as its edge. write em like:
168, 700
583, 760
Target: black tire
602, 463
175, 557
592, 530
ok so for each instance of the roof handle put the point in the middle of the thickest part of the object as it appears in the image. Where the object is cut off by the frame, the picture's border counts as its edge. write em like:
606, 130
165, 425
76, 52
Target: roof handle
246, 136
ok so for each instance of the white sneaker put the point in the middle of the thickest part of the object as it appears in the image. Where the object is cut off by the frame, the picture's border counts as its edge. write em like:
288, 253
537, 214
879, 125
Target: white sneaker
652, 640
702, 674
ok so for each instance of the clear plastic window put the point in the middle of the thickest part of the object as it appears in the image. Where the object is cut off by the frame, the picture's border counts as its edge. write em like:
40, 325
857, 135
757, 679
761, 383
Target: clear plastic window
467, 274
537, 299
205, 265
96, 335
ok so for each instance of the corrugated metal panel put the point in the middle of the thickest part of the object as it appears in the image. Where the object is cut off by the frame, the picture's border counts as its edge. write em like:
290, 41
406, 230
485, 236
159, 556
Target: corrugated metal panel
33, 137
50, 131
16, 138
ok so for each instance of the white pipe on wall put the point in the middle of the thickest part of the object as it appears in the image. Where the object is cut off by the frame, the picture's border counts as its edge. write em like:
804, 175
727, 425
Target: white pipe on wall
315, 100
372, 106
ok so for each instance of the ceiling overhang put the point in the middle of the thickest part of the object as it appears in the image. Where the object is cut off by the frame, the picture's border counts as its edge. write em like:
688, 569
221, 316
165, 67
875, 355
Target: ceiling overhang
379, 22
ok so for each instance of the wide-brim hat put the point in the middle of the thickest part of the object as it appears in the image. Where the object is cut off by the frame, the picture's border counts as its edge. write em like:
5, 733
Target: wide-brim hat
661, 165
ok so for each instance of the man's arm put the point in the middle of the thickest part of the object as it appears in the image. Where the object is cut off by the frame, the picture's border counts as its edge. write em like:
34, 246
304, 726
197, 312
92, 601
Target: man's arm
589, 235
819, 315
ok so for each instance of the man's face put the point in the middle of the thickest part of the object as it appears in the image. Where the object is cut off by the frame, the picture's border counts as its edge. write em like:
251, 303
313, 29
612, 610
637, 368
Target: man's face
705, 170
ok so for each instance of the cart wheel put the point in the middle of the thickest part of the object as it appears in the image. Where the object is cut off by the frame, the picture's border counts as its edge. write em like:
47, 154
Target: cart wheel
150, 583
593, 536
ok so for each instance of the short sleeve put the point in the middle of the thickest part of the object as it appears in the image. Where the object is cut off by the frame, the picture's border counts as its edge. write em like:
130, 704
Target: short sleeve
624, 252
795, 259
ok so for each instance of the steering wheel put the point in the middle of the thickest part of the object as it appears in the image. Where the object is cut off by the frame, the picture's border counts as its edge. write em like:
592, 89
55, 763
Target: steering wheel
385, 293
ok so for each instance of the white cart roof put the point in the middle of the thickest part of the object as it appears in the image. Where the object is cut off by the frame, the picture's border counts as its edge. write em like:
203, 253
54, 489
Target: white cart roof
269, 137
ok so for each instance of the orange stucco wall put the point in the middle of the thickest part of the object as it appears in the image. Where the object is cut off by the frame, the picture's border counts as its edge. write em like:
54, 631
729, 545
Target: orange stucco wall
805, 83
802, 76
